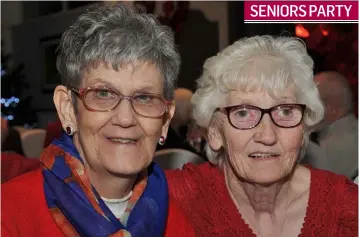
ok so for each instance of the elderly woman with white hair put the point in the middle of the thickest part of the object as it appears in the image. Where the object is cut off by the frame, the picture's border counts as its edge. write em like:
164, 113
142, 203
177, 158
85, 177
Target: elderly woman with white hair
258, 101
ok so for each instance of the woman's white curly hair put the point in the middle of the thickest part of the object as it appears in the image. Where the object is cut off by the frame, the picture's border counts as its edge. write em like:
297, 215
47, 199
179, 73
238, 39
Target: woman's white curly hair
273, 64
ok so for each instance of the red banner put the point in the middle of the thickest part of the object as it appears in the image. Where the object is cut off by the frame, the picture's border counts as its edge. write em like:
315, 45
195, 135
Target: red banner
301, 11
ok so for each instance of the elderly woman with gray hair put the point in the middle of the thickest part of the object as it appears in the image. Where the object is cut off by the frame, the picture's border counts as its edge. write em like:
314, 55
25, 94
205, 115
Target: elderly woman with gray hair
119, 68
258, 127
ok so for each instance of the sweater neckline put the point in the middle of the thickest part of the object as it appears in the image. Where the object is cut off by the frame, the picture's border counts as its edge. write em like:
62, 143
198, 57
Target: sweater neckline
237, 214
117, 200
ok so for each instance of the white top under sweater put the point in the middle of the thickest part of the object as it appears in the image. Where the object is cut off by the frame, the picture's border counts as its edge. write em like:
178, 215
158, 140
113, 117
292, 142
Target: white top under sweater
117, 206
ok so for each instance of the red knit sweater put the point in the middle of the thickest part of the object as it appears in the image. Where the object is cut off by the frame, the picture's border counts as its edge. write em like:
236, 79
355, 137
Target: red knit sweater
24, 211
332, 208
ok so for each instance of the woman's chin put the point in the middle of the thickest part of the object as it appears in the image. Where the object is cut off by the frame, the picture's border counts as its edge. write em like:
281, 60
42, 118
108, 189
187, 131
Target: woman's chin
264, 177
126, 165
125, 171
265, 181
125, 159
269, 173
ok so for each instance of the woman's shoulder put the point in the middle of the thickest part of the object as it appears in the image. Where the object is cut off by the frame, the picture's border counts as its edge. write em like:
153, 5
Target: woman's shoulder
190, 174
335, 189
190, 168
26, 178
335, 182
22, 188
341, 197
332, 204
24, 207
187, 182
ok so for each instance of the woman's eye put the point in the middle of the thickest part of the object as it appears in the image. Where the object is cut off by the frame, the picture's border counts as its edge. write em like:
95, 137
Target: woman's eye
285, 112
143, 98
103, 93
242, 113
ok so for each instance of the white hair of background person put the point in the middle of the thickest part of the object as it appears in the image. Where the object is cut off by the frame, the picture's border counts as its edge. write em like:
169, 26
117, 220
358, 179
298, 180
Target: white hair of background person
234, 68
336, 94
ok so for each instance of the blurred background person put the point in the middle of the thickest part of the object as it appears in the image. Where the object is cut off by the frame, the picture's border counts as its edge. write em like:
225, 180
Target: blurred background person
13, 162
182, 133
10, 139
337, 134
183, 112
183, 122
315, 156
4, 129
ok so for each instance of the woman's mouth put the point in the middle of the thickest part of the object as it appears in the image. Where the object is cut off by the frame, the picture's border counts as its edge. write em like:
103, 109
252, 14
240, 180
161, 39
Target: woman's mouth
126, 141
263, 155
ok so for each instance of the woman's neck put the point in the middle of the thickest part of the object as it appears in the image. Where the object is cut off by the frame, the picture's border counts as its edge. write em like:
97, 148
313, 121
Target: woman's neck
261, 198
110, 186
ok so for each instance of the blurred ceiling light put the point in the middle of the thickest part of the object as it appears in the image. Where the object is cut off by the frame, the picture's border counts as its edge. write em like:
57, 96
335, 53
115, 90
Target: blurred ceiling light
325, 32
301, 32
324, 29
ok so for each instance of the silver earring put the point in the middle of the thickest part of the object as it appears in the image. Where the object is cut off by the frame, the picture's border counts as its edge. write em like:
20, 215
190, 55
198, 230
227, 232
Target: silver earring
70, 130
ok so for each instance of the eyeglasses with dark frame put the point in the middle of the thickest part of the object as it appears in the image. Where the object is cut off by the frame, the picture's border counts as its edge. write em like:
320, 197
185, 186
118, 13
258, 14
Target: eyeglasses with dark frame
104, 99
245, 117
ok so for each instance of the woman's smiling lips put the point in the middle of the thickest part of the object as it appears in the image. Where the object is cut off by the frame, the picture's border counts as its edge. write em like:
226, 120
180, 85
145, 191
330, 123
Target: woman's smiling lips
123, 140
263, 155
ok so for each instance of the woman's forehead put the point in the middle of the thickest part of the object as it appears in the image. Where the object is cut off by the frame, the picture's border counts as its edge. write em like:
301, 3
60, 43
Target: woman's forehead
144, 77
106, 70
261, 97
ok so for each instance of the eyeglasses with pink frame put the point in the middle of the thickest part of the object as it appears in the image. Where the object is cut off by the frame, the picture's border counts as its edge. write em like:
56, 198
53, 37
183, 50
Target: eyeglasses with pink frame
81, 93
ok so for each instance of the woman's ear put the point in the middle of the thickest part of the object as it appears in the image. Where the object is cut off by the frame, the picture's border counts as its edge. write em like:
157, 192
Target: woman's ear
64, 107
214, 137
167, 119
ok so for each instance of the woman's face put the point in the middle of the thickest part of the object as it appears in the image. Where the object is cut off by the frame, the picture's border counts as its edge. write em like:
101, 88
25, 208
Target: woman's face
120, 142
265, 153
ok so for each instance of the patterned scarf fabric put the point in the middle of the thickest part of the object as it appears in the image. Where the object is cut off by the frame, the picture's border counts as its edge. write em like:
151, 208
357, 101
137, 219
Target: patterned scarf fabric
78, 209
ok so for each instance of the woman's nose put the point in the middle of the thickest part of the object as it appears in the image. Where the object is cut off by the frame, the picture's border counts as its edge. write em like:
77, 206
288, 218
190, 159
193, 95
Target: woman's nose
124, 114
265, 131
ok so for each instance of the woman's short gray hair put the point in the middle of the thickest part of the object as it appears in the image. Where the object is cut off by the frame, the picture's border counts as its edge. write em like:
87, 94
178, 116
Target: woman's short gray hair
275, 64
117, 34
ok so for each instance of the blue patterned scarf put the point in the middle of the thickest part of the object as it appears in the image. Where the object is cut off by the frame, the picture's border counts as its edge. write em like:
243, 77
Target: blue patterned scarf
78, 209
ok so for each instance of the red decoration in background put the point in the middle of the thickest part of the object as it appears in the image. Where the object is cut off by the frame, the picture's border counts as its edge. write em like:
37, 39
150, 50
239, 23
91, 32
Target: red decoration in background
301, 32
325, 32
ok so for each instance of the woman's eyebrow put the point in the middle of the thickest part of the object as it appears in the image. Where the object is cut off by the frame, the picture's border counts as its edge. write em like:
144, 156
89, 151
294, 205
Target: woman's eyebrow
149, 88
102, 82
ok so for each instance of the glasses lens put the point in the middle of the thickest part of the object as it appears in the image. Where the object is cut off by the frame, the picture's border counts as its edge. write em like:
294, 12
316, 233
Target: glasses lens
287, 115
244, 117
148, 105
100, 99
103, 99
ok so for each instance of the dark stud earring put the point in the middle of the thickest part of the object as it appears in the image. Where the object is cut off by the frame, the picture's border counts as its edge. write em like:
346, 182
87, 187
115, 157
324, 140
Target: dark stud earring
70, 130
